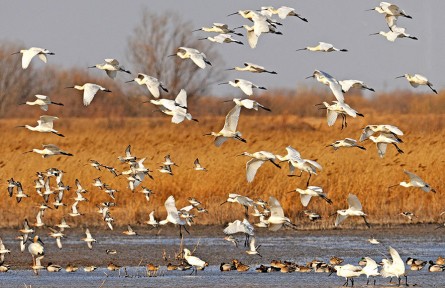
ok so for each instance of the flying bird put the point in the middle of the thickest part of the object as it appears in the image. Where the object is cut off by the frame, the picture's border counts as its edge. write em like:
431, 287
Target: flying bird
415, 181
199, 58
152, 83
28, 54
229, 129
43, 101
355, 209
111, 67
89, 91
417, 79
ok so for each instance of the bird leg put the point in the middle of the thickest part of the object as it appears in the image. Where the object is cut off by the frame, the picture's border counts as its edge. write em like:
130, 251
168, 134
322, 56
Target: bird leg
247, 212
307, 183
367, 282
352, 282
366, 222
406, 280
291, 175
346, 283
185, 228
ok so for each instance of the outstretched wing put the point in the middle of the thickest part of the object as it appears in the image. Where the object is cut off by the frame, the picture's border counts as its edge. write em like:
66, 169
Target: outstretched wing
89, 93
354, 203
275, 207
27, 57
252, 167
232, 119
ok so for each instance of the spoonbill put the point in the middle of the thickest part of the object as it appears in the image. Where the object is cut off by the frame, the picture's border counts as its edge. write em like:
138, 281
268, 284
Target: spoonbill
323, 47
89, 91
173, 215
258, 159
177, 108
382, 142
244, 85
346, 85
45, 125
277, 218
349, 272
347, 143
50, 150
338, 108
219, 28
238, 226
309, 192
28, 54
390, 9
330, 81
253, 249
394, 267
111, 67
382, 128
393, 35
194, 261
89, 239
304, 165
243, 200
417, 79
254, 68
199, 58
152, 83
415, 181
355, 209
249, 104
229, 129
282, 12
222, 38
371, 269
43, 101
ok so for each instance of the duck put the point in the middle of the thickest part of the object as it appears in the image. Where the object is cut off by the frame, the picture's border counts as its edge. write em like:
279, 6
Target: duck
53, 267
113, 267
152, 269
70, 268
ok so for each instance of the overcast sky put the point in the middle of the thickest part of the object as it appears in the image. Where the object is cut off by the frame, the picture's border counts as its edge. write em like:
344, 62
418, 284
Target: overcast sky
84, 32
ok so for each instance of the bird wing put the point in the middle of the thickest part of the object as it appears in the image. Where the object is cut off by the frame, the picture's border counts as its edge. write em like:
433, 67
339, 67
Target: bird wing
305, 199
59, 242
394, 129
90, 245
233, 227
354, 203
198, 59
367, 131
178, 115
314, 164
350, 141
292, 153
232, 119
74, 209
246, 87
111, 73
396, 259
153, 87
47, 121
27, 57
283, 11
252, 167
252, 38
112, 61
220, 140
89, 92
252, 244
247, 103
340, 218
170, 205
181, 99
414, 179
347, 109
325, 46
51, 147
331, 117
87, 232
381, 148
391, 20
275, 207
42, 97
130, 229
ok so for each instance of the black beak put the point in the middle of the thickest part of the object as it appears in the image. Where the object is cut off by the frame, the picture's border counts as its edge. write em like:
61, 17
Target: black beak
129, 81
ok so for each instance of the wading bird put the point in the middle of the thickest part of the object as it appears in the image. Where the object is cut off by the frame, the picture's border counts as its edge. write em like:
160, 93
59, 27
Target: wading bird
415, 181
393, 35
229, 129
194, 261
382, 142
111, 67
347, 143
258, 159
244, 85
89, 91
50, 150
153, 84
173, 215
28, 54
355, 209
238, 226
199, 58
219, 28
417, 79
309, 192
390, 9
277, 219
250, 67
36, 248
253, 249
394, 267
382, 128
282, 12
243, 200
222, 38
248, 104
45, 125
371, 269
43, 101
346, 85
322, 47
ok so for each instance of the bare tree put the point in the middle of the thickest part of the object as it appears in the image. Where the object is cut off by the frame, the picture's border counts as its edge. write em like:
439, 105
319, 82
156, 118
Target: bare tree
158, 36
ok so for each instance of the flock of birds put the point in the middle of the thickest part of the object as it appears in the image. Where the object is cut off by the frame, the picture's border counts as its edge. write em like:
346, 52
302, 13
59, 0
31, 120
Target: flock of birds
270, 213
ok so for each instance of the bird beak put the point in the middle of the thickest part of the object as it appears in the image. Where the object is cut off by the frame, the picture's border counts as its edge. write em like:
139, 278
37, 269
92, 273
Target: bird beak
15, 53
228, 101
92, 67
232, 14
171, 55
370, 9
301, 50
374, 34
129, 81
230, 69
223, 203
106, 90
202, 38
223, 83
399, 77
312, 76
40, 240
69, 87
197, 30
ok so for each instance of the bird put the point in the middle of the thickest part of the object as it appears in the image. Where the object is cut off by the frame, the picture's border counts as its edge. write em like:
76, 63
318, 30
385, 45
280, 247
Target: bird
177, 109
253, 249
346, 85
349, 272
415, 181
63, 225
408, 215
45, 125
347, 143
390, 9
382, 128
194, 261
374, 241
26, 230
90, 268
128, 157
222, 38
250, 67
382, 142
74, 212
248, 104
355, 209
50, 150
89, 91
58, 235
199, 58
229, 129
394, 267
89, 239
417, 79
28, 54
338, 108
36, 248
309, 192
322, 47
173, 215
312, 215
393, 35
304, 165
238, 226
371, 269
243, 200
252, 38
244, 85
330, 81
232, 239
219, 28
152, 221
282, 12
152, 83
198, 166
276, 219
37, 265
43, 101
258, 159
111, 67
130, 231
3, 251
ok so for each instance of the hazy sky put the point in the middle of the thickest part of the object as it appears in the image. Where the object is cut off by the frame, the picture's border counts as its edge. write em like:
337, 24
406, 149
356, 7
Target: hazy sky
84, 32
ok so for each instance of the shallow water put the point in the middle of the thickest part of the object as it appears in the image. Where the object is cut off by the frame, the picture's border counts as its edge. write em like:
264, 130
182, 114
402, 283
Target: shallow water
421, 242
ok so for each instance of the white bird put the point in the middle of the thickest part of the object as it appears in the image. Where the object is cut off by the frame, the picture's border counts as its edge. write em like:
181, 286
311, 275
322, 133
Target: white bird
50, 150
28, 54
36, 248
111, 67
304, 165
382, 128
22, 243
63, 225
253, 249
258, 159
177, 108
243, 200
346, 85
130, 231
390, 9
173, 215
198, 166
417, 79
152, 83
194, 261
248, 104
39, 222
152, 221
45, 125
309, 192
277, 219
3, 251
219, 28
26, 230
330, 81
339, 108
374, 241
252, 38
147, 192
349, 272
128, 157
415, 181
238, 226
89, 239
355, 209
250, 67
371, 269
74, 212
166, 169
58, 235
394, 267
43, 101
393, 35
229, 129
89, 91
382, 142
244, 85
322, 47
199, 58
347, 143
282, 12
222, 38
